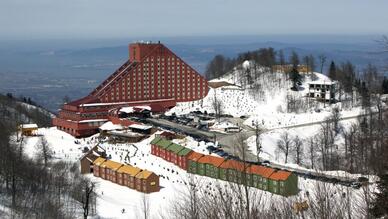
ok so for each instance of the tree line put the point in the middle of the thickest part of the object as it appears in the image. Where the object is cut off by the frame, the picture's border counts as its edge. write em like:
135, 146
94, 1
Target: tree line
36, 186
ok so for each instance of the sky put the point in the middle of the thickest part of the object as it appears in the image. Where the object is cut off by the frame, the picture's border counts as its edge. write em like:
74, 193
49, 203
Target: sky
86, 19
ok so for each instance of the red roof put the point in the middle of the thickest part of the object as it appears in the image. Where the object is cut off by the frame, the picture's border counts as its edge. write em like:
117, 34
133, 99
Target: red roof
215, 161
194, 156
260, 170
280, 175
233, 164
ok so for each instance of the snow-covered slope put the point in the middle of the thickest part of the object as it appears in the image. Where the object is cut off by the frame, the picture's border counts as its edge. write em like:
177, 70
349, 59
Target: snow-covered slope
266, 100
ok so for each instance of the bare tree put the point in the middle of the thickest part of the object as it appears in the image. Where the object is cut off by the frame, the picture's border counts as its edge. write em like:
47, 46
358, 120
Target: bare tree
44, 151
312, 151
335, 117
298, 149
284, 144
217, 106
258, 132
145, 207
322, 60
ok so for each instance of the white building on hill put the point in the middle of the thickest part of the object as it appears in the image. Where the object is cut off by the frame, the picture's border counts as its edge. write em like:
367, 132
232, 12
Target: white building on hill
322, 90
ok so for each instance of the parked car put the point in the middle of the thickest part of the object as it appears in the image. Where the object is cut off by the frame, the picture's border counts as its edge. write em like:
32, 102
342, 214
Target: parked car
211, 148
222, 153
355, 185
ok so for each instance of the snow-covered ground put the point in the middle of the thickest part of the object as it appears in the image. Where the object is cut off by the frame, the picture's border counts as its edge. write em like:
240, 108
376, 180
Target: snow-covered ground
267, 103
112, 198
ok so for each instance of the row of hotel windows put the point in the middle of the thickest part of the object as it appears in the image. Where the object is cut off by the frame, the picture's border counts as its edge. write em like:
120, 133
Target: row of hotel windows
146, 94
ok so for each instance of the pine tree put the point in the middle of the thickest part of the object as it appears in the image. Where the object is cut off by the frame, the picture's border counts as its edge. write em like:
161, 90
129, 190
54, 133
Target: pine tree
333, 71
385, 86
380, 202
296, 78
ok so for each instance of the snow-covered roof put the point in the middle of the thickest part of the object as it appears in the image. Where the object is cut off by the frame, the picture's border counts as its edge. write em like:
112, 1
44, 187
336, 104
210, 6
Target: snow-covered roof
122, 103
127, 109
131, 109
29, 126
125, 134
139, 126
322, 82
108, 126
93, 120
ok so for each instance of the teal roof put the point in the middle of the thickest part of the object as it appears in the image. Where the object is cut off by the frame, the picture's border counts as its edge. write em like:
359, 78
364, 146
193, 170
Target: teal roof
156, 140
163, 143
184, 152
175, 148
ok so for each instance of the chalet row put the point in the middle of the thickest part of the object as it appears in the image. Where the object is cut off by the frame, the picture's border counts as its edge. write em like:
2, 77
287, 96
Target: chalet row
276, 181
135, 178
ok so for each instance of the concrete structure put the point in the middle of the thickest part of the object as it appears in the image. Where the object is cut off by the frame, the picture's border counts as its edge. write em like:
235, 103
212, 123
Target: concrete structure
322, 90
153, 77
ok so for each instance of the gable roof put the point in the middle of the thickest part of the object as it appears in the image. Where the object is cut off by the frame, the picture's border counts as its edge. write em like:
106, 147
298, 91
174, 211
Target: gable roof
130, 170
99, 161
195, 156
156, 140
233, 164
175, 148
280, 175
96, 151
215, 161
260, 170
164, 143
111, 165
184, 152
144, 174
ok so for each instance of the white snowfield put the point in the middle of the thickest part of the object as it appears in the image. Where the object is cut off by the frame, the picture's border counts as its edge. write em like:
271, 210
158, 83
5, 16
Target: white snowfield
112, 198
267, 105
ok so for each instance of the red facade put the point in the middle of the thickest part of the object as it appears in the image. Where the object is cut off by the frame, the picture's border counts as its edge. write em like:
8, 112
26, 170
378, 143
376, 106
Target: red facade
152, 76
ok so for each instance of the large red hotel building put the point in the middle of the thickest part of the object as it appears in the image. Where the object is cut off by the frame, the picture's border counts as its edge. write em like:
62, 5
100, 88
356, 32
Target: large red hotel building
153, 76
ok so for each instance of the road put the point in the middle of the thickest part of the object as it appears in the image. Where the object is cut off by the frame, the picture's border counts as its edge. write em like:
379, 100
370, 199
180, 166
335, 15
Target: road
228, 142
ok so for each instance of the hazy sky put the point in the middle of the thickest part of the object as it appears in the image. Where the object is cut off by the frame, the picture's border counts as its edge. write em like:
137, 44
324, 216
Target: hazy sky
30, 19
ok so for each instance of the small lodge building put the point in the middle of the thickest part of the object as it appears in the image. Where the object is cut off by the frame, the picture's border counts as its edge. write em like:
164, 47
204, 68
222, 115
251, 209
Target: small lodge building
183, 158
288, 67
142, 129
89, 157
161, 149
233, 171
28, 129
126, 176
259, 176
135, 111
193, 162
110, 168
168, 135
147, 182
125, 136
283, 183
172, 152
209, 166
98, 171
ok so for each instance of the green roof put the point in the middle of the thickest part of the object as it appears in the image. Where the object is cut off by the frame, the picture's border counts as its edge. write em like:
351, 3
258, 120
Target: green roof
175, 148
184, 152
156, 139
163, 143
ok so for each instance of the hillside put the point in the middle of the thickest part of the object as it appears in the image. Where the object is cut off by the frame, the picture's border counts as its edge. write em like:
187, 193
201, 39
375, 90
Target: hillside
18, 111
268, 99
